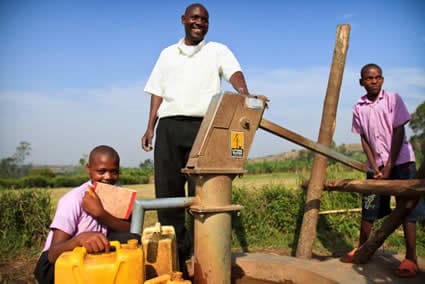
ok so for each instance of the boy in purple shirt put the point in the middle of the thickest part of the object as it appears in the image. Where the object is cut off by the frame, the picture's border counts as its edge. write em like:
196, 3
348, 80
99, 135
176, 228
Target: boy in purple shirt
80, 219
379, 118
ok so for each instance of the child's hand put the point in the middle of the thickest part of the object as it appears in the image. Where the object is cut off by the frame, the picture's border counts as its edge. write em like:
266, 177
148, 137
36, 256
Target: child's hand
92, 204
386, 172
93, 242
378, 175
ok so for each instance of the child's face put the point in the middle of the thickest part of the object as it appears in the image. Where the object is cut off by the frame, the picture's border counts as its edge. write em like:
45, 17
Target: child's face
372, 80
103, 168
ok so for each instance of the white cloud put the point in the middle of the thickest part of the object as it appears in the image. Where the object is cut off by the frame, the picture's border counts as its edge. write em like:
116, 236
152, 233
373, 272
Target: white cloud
297, 98
64, 125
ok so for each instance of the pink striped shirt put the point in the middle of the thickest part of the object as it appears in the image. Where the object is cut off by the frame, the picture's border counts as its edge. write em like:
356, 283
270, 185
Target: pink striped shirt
376, 120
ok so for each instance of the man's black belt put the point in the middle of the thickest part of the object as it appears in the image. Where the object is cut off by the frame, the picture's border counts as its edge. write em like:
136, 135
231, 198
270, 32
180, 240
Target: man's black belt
183, 117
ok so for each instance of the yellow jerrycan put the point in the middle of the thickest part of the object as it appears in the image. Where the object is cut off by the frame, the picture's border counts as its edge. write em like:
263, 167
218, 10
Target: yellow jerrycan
172, 278
160, 250
122, 266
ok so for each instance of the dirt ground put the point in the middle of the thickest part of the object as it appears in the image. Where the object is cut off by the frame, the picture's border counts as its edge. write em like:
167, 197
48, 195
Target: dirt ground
18, 271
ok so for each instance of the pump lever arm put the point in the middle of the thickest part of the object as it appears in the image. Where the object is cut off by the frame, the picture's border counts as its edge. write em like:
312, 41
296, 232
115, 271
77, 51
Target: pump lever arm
311, 145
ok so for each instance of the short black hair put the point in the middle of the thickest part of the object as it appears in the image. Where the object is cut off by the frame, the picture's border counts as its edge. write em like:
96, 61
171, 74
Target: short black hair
104, 150
367, 66
195, 5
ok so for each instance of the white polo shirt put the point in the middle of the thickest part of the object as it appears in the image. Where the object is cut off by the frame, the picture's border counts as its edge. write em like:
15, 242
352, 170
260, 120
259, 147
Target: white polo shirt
186, 77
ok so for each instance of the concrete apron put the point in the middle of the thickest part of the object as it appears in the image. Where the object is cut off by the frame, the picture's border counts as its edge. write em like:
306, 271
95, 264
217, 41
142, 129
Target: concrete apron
285, 269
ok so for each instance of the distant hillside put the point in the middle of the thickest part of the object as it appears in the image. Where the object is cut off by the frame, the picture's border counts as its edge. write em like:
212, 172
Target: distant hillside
351, 148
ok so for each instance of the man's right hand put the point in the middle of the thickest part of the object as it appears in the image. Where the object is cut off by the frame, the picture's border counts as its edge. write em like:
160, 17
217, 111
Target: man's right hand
147, 141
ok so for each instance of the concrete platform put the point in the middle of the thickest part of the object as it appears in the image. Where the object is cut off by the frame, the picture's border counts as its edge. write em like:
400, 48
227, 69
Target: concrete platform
284, 269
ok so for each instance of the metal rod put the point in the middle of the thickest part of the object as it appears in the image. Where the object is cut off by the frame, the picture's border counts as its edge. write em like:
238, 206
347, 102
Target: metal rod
337, 211
140, 206
311, 145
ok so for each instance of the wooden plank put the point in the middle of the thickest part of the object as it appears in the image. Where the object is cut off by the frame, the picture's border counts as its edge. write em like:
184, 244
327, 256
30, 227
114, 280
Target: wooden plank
407, 187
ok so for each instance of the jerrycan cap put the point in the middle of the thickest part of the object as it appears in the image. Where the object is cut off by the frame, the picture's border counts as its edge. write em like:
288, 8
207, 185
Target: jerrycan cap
132, 243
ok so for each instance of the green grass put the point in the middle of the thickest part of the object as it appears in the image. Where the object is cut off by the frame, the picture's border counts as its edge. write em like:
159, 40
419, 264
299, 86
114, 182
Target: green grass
259, 183
272, 219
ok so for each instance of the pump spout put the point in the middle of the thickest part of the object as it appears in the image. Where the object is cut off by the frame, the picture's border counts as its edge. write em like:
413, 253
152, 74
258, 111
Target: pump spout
140, 206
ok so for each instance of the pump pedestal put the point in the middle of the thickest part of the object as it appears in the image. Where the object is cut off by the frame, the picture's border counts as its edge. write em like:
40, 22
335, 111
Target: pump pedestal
217, 156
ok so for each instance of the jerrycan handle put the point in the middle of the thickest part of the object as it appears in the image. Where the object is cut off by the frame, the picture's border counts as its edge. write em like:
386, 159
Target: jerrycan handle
81, 252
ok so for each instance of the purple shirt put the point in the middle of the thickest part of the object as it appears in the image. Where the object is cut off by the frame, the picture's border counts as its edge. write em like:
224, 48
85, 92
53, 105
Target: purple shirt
376, 120
71, 218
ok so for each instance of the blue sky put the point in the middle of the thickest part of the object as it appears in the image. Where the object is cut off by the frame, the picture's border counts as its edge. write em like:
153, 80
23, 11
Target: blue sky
72, 72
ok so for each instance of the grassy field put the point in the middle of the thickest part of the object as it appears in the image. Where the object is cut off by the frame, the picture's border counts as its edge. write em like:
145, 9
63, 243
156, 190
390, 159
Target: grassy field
145, 191
21, 269
255, 182
248, 181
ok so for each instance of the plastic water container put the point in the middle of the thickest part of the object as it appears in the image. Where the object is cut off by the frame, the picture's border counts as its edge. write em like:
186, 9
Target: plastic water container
122, 266
160, 250
173, 278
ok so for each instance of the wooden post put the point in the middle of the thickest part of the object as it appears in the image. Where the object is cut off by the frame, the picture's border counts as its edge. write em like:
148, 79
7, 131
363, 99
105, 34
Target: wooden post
390, 224
312, 206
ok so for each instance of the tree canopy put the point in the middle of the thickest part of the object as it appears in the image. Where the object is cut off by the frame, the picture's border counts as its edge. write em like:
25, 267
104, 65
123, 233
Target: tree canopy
417, 124
15, 166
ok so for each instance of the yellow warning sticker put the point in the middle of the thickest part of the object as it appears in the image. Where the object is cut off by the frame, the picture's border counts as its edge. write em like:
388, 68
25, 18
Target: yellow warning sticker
237, 144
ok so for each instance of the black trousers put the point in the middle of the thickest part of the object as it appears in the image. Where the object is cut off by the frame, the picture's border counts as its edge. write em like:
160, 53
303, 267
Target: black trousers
174, 140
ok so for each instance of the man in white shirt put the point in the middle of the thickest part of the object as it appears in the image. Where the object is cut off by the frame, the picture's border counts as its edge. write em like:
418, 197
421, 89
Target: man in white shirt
185, 77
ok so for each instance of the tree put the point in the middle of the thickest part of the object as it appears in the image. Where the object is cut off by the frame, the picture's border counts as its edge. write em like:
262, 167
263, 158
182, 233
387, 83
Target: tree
22, 151
7, 167
83, 160
14, 166
81, 167
417, 124
147, 164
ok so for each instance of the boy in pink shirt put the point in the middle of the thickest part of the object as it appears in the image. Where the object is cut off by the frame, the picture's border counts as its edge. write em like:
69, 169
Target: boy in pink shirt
379, 118
80, 219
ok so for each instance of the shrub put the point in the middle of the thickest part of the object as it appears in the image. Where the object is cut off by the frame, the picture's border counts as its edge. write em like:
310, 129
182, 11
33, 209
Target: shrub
339, 227
128, 179
269, 212
134, 175
69, 181
45, 172
36, 181
272, 217
11, 183
25, 217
